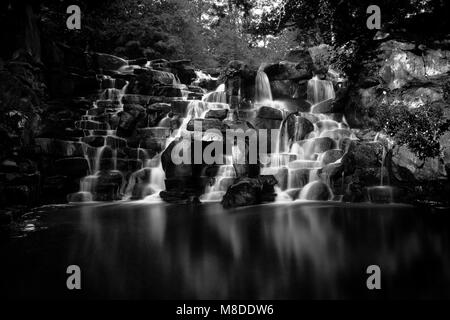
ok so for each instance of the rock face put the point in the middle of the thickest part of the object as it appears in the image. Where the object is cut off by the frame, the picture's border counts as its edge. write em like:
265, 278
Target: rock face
297, 65
404, 64
250, 191
400, 73
316, 190
55, 123
219, 114
239, 80
298, 127
184, 70
185, 181
407, 167
50, 144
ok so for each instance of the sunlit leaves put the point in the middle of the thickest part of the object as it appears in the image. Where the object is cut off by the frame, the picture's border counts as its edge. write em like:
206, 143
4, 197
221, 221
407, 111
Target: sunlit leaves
419, 129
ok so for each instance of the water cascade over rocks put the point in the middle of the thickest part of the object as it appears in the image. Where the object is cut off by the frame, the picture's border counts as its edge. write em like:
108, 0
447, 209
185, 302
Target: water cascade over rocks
107, 128
307, 143
128, 139
382, 193
217, 96
263, 92
124, 133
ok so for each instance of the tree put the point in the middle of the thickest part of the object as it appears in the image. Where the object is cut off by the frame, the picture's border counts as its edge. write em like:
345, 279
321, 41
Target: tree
419, 129
336, 22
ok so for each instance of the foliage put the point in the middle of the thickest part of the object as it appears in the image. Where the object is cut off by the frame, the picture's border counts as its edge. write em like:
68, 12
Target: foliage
419, 129
337, 22
209, 32
343, 57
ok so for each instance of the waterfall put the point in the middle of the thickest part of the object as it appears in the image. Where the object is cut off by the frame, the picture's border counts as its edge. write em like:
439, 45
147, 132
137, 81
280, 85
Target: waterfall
203, 76
319, 90
224, 178
300, 149
157, 177
298, 156
382, 193
217, 96
263, 93
95, 156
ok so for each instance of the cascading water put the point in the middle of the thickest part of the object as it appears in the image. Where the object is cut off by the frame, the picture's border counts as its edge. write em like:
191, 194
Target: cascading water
263, 92
224, 178
104, 156
155, 176
217, 96
201, 76
320, 90
297, 160
215, 100
382, 193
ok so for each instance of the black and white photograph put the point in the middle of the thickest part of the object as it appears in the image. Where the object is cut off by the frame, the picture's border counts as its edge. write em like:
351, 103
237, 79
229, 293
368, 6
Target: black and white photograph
215, 151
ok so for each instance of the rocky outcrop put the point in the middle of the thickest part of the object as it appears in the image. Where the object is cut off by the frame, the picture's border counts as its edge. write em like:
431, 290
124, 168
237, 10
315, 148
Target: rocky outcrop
298, 127
398, 73
250, 191
407, 167
297, 65
186, 177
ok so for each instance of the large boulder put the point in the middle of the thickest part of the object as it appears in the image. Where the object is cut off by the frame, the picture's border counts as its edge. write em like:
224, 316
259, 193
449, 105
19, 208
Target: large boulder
316, 190
288, 89
268, 119
184, 70
331, 156
298, 127
269, 113
286, 70
407, 167
250, 191
219, 114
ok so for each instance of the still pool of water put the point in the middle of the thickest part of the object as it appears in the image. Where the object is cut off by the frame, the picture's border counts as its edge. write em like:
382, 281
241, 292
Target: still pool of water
273, 251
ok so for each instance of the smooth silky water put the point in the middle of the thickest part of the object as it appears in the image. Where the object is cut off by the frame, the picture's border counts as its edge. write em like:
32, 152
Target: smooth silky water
287, 249
274, 251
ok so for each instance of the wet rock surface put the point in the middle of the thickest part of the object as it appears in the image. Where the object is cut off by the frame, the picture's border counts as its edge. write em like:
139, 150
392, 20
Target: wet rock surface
250, 191
51, 145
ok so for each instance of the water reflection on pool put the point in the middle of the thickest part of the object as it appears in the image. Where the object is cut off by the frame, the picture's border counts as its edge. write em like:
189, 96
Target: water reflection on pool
276, 251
